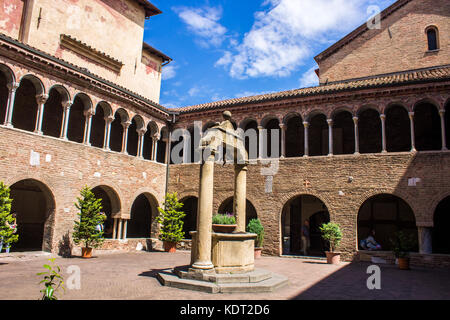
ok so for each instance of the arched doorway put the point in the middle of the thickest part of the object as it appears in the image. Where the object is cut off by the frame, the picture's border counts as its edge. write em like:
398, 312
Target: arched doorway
141, 217
98, 125
33, 204
295, 212
427, 127
440, 236
250, 211
110, 206
25, 103
53, 112
190, 205
385, 214
77, 118
116, 135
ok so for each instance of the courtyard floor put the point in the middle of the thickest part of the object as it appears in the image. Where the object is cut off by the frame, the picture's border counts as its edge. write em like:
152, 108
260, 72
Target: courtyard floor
132, 276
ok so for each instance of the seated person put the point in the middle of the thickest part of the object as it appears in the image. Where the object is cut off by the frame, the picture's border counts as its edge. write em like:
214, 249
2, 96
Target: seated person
369, 243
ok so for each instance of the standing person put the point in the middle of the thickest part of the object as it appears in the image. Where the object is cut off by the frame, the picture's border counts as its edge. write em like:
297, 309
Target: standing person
100, 227
12, 226
305, 237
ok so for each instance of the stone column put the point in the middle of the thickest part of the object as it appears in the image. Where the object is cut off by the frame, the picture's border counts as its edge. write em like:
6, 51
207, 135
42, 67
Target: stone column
306, 126
425, 240
114, 229
125, 126
383, 133
108, 121
444, 142
261, 142
204, 215
41, 100
125, 224
119, 232
240, 191
167, 153
66, 113
330, 136
12, 87
411, 121
283, 140
155, 148
87, 128
355, 121
141, 134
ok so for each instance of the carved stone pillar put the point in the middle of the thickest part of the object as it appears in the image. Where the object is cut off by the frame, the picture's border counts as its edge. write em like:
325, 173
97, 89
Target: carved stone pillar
140, 150
383, 133
306, 126
240, 191
355, 121
330, 136
155, 148
108, 121
283, 140
66, 113
87, 128
125, 126
204, 216
444, 142
115, 229
413, 139
261, 142
12, 87
41, 100
425, 241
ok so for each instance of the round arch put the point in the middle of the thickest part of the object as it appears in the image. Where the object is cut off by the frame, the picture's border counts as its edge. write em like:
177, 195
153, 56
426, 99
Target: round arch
190, 206
34, 206
110, 206
299, 212
6, 78
385, 214
142, 216
250, 211
427, 125
441, 221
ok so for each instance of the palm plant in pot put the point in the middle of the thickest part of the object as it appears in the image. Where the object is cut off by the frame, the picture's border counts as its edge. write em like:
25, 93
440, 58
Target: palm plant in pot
224, 223
86, 229
332, 233
403, 244
171, 220
255, 226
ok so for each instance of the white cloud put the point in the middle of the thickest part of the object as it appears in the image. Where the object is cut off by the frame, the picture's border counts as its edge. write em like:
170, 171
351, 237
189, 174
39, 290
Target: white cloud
309, 78
204, 23
284, 36
169, 72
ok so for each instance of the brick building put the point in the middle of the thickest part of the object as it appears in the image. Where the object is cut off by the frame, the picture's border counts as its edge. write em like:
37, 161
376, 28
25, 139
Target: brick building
368, 148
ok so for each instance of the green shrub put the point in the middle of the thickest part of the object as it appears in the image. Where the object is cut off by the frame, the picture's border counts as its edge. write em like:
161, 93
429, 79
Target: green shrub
403, 244
51, 278
8, 227
227, 218
331, 232
171, 219
255, 226
85, 230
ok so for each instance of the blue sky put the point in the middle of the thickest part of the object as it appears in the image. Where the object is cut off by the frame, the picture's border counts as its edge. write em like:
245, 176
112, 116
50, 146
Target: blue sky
227, 49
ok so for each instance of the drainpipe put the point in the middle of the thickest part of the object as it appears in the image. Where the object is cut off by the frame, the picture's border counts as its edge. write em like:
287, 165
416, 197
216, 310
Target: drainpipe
169, 142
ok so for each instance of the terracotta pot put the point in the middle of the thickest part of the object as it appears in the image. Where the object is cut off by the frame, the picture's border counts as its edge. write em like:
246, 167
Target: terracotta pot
333, 257
403, 263
224, 228
170, 247
258, 253
86, 253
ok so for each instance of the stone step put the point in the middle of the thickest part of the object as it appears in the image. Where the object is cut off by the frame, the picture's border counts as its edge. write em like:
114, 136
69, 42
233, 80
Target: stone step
267, 285
253, 276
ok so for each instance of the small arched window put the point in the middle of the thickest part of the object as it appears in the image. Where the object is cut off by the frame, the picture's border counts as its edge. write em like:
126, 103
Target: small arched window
433, 38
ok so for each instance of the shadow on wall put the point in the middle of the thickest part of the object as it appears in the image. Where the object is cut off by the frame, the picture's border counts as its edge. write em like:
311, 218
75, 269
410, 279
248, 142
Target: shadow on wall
65, 246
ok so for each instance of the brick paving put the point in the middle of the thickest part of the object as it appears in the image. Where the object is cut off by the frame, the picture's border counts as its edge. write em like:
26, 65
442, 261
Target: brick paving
132, 276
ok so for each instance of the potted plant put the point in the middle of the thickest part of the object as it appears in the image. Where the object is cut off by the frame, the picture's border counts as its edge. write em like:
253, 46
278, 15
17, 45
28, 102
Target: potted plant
86, 229
332, 233
171, 220
255, 226
8, 226
224, 223
403, 244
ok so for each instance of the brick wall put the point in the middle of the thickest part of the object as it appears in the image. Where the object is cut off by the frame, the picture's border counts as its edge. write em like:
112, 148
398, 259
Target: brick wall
372, 174
65, 167
400, 44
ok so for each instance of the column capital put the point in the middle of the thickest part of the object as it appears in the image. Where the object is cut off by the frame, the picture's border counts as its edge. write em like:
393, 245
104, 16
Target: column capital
88, 113
382, 116
12, 86
141, 132
260, 128
109, 119
306, 124
126, 124
330, 122
442, 112
41, 98
355, 120
156, 137
282, 126
67, 104
411, 115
